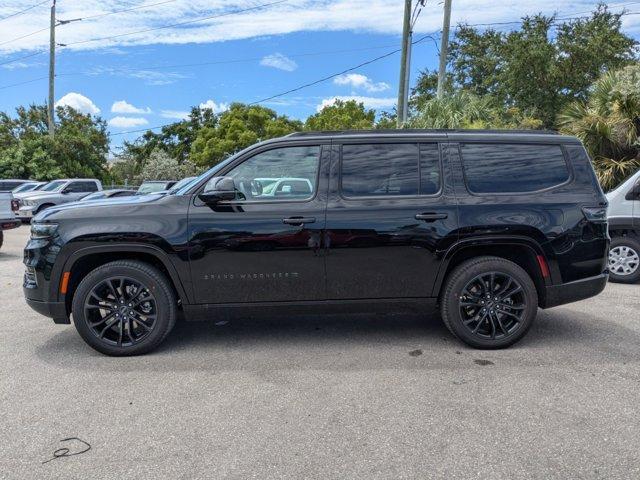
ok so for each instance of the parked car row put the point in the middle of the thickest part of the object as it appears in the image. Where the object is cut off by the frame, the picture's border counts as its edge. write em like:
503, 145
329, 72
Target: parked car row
32, 197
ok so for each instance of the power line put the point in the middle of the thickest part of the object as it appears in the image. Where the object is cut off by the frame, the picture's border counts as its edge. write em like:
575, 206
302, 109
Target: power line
187, 22
226, 62
518, 22
115, 12
24, 36
306, 85
22, 58
23, 83
25, 10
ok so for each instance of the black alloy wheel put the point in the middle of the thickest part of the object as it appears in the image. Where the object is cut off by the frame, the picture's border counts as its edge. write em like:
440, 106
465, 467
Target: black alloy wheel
120, 311
125, 307
492, 305
489, 302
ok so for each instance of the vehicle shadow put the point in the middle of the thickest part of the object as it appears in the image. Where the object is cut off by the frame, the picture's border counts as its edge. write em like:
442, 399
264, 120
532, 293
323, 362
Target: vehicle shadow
5, 257
354, 342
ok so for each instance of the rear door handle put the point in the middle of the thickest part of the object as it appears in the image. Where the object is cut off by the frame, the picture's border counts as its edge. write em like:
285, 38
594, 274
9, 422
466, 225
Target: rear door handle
431, 216
298, 220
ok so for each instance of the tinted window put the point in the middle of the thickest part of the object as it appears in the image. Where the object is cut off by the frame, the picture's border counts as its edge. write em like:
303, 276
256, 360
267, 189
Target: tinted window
8, 185
82, 187
429, 168
502, 168
278, 174
390, 169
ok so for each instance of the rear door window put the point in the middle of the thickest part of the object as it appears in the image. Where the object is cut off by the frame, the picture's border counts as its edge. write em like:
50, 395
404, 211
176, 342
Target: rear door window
513, 168
390, 169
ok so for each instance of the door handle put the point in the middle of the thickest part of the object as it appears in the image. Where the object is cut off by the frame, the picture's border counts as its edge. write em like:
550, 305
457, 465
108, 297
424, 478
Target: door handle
431, 216
298, 220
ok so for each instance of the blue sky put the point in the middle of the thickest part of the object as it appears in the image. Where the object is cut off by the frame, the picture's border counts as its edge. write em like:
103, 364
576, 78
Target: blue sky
144, 79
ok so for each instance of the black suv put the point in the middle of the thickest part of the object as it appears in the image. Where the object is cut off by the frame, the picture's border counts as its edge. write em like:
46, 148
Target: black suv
490, 225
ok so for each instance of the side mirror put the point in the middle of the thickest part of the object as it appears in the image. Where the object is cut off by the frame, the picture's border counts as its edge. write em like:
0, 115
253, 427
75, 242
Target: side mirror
66, 190
218, 189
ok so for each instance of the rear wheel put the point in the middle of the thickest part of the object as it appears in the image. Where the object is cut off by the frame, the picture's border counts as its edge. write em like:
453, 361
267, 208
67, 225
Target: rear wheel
124, 308
624, 260
489, 302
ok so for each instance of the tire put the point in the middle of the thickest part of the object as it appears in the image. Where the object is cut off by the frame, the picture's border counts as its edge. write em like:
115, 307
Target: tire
624, 259
133, 326
1, 238
465, 296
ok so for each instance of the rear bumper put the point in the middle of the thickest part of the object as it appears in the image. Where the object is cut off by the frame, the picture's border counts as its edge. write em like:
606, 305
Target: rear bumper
9, 224
55, 310
574, 291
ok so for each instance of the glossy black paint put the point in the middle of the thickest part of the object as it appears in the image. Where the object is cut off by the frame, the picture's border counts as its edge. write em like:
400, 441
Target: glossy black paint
356, 251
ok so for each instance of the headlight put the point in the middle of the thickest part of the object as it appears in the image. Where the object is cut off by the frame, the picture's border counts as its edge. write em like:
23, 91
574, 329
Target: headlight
43, 230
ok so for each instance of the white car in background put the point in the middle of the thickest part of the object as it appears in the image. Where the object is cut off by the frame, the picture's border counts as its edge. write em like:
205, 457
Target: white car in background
624, 229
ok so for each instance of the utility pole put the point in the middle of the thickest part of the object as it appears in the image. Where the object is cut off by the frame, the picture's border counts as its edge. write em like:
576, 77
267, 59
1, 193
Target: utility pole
444, 47
52, 69
403, 84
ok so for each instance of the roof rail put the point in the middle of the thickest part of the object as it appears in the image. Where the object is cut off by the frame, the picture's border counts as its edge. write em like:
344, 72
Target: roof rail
417, 131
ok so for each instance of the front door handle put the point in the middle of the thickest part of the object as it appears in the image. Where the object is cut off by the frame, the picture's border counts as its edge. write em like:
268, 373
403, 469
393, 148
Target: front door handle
298, 220
431, 216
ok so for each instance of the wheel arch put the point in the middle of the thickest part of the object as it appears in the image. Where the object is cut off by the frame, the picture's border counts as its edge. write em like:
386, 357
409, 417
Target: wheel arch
525, 252
83, 261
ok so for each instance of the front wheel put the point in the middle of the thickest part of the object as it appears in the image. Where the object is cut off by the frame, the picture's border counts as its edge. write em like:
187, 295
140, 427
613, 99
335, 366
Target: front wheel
624, 260
124, 308
489, 302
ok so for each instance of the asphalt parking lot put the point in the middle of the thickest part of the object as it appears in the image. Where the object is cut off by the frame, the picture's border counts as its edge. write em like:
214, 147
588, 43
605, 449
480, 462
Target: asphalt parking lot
323, 397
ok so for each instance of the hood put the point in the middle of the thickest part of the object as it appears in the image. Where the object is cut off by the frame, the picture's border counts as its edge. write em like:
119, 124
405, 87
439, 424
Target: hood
25, 195
623, 188
90, 206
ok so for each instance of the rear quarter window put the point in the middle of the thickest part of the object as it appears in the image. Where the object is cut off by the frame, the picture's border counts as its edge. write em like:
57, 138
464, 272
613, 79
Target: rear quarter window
513, 168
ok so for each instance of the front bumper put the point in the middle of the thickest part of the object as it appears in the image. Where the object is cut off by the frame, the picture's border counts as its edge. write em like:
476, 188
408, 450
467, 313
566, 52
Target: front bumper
574, 291
55, 310
26, 212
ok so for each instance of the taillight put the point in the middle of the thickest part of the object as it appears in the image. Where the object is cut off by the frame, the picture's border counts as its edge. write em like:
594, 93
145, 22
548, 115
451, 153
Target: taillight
595, 214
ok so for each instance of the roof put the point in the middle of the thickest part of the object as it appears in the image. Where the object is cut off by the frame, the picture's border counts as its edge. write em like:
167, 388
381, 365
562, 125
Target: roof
515, 135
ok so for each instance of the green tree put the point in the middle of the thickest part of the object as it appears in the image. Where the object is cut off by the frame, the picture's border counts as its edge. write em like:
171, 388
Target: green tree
161, 166
465, 110
342, 115
237, 128
79, 148
608, 124
538, 69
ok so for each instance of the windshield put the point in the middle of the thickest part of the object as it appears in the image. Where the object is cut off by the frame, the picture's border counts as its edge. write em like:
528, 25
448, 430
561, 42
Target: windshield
93, 196
25, 187
53, 186
182, 183
151, 187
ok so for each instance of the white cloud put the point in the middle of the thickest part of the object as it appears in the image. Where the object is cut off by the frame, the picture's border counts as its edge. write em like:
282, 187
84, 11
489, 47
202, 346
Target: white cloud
279, 61
78, 102
215, 107
369, 102
356, 80
174, 114
122, 106
377, 16
127, 122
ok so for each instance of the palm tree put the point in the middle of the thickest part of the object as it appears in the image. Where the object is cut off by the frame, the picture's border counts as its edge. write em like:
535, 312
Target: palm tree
463, 109
608, 124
